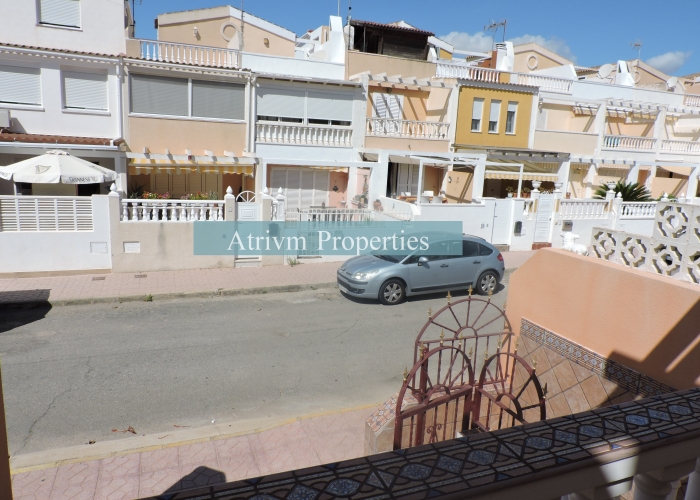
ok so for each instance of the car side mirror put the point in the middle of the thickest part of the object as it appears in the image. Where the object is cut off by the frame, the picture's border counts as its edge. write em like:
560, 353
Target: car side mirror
422, 260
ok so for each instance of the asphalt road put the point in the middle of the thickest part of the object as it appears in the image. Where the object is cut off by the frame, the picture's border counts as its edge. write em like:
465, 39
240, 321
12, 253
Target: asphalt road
73, 373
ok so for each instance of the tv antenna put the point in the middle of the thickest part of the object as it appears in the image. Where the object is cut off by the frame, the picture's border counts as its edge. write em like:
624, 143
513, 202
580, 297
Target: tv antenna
494, 27
637, 45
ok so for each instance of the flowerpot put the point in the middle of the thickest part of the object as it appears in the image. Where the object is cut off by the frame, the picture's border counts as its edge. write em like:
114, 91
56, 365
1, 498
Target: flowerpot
510, 195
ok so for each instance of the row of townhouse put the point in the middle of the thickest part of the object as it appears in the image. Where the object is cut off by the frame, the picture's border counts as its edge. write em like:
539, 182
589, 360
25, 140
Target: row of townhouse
345, 116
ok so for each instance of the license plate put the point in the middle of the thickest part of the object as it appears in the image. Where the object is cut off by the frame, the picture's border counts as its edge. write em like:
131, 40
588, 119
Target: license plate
342, 289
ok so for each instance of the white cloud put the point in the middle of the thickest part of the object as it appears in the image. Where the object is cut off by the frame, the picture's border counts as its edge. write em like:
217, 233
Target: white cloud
481, 42
669, 62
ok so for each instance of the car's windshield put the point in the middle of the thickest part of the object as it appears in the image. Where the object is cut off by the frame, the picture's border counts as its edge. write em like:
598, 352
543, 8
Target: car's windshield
390, 258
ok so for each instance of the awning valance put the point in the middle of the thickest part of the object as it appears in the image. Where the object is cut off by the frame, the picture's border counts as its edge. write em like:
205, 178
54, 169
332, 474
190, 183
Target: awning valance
152, 167
684, 171
332, 169
526, 176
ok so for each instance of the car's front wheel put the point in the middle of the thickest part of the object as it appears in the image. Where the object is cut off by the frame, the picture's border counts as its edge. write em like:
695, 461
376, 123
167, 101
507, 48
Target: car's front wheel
487, 282
392, 292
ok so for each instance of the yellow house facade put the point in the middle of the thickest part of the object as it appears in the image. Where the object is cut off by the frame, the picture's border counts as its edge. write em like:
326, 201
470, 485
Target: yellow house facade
494, 117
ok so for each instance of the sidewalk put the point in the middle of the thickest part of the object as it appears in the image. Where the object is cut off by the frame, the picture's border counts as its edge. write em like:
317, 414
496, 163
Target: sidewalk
61, 290
173, 468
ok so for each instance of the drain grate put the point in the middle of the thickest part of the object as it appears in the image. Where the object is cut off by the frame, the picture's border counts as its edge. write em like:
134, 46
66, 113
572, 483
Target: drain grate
98, 278
140, 275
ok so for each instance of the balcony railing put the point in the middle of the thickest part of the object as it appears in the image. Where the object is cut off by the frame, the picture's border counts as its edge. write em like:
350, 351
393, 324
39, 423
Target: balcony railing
306, 135
171, 210
638, 210
583, 209
408, 129
629, 143
547, 83
692, 100
198, 55
474, 73
680, 147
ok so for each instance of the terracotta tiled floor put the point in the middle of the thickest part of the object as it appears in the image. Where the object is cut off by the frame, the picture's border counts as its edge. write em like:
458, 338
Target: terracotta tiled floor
189, 281
300, 444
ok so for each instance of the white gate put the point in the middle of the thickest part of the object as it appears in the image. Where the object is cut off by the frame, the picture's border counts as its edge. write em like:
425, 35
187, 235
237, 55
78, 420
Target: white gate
502, 213
543, 222
246, 208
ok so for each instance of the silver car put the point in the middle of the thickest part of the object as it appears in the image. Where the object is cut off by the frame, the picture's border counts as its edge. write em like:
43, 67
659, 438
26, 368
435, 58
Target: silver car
391, 278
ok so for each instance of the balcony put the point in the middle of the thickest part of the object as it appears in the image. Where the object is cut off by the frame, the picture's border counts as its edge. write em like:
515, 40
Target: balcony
407, 129
546, 83
182, 53
303, 135
629, 143
680, 147
474, 73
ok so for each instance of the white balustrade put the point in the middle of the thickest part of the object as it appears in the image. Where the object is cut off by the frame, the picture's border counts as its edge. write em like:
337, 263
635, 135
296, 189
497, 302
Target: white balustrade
172, 210
45, 213
198, 55
638, 210
681, 147
629, 143
546, 83
583, 209
409, 129
692, 100
463, 72
329, 215
308, 135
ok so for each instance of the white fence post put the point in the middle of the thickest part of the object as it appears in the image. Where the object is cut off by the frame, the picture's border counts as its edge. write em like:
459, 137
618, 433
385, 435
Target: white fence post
281, 202
229, 205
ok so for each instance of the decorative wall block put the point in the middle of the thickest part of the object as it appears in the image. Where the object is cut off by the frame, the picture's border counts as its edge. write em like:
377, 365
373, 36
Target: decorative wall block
666, 258
604, 244
634, 251
673, 221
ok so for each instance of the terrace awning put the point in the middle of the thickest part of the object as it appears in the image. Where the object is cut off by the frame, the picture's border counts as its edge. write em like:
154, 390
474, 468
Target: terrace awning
526, 176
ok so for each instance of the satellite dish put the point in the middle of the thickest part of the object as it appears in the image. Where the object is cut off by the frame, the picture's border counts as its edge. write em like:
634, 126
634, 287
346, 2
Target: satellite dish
605, 70
671, 82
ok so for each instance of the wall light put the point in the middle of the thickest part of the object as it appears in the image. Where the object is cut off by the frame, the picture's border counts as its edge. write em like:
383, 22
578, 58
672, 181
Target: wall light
266, 41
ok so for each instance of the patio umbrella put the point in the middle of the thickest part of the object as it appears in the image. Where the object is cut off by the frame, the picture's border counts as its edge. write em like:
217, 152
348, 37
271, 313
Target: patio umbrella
57, 167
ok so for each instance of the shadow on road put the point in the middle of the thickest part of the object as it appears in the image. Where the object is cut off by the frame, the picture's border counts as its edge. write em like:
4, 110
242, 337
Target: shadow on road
420, 298
21, 308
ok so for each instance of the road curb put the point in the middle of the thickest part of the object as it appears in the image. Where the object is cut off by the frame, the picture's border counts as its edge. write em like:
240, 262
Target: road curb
127, 446
222, 292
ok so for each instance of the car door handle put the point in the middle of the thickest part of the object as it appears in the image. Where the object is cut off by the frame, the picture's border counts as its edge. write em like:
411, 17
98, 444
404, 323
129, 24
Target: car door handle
445, 265
477, 262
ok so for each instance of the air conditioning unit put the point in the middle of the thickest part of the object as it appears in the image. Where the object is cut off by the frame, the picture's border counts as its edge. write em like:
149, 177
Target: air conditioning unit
5, 118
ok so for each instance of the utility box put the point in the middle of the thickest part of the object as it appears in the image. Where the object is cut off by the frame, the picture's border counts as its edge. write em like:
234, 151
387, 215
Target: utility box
518, 228
5, 118
567, 225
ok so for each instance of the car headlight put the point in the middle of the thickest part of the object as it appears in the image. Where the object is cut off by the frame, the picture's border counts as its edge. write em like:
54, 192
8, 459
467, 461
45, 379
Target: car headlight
365, 276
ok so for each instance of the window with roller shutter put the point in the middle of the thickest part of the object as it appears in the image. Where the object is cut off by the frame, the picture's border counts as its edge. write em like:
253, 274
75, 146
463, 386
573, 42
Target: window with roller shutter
387, 106
85, 91
20, 85
310, 107
303, 187
64, 13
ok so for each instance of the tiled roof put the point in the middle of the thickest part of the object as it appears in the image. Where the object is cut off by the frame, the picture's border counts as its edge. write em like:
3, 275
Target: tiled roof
34, 47
58, 139
357, 22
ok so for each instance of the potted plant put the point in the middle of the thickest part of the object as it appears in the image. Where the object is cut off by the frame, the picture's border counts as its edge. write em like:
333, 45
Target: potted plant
526, 192
511, 191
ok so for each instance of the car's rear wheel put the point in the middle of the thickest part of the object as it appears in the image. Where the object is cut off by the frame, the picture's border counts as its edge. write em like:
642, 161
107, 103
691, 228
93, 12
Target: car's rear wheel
392, 292
487, 282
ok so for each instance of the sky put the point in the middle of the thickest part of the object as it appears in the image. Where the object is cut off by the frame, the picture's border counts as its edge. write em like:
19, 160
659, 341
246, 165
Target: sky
589, 32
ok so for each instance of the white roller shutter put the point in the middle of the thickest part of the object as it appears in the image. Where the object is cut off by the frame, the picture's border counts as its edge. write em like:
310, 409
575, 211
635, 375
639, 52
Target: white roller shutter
218, 100
281, 103
20, 85
85, 90
388, 106
329, 106
159, 95
304, 188
60, 12
408, 179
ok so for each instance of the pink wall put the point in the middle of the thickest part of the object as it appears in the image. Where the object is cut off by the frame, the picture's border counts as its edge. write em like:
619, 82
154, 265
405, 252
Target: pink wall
646, 322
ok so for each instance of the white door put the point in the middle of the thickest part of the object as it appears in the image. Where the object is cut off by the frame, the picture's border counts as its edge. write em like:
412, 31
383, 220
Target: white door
408, 180
501, 222
544, 218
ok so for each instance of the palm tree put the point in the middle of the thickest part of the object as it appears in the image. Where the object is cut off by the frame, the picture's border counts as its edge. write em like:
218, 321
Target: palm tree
632, 191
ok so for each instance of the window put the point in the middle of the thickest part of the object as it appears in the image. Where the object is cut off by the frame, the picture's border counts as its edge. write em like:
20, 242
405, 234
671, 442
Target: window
300, 106
85, 91
470, 248
218, 100
64, 13
484, 250
20, 85
304, 188
387, 106
157, 95
493, 116
510, 117
477, 113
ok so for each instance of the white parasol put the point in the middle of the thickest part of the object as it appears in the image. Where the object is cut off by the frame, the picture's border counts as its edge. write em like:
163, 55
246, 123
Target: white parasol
57, 167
